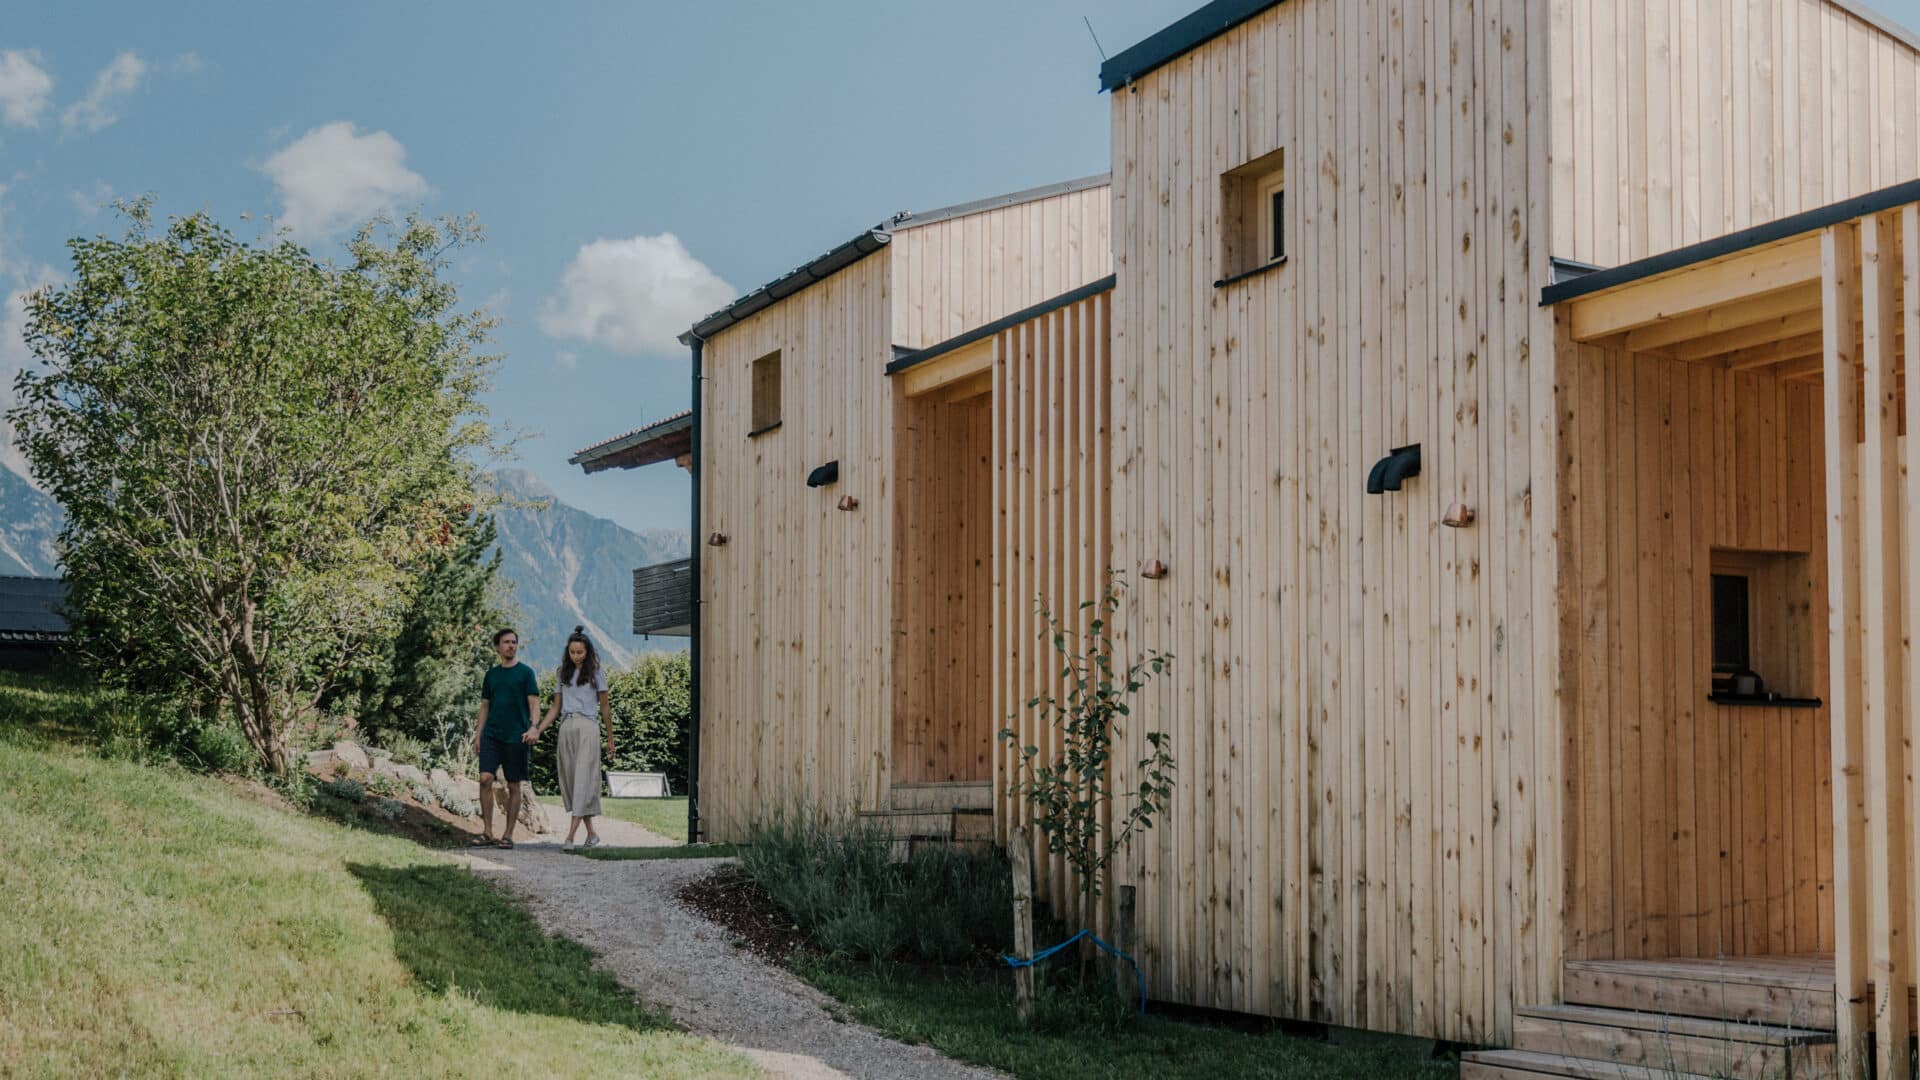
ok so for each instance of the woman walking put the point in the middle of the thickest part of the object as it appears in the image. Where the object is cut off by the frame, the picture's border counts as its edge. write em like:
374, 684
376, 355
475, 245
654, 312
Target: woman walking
581, 705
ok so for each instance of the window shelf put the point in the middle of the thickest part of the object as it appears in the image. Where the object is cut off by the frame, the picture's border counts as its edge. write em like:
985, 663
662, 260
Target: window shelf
1255, 272
1765, 703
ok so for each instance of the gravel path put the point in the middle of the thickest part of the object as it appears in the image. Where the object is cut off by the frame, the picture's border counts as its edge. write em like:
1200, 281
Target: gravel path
628, 914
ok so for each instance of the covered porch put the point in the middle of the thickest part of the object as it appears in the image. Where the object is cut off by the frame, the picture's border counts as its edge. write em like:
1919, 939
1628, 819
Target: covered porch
1737, 519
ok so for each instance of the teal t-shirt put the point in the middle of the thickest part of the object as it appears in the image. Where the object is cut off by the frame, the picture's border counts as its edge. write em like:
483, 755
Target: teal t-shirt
506, 690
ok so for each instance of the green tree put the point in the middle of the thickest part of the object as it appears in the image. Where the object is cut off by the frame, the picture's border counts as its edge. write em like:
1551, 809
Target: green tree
1071, 792
422, 680
257, 451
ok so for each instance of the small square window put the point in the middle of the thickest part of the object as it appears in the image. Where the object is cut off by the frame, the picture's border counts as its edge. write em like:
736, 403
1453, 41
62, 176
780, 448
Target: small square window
1763, 628
766, 393
1253, 219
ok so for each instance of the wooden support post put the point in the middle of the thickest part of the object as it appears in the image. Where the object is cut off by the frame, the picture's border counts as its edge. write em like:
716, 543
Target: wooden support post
1910, 609
1840, 298
1021, 854
1124, 939
1884, 657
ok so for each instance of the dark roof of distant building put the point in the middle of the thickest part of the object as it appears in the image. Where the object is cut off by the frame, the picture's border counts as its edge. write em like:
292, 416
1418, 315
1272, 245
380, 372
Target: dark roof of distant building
31, 609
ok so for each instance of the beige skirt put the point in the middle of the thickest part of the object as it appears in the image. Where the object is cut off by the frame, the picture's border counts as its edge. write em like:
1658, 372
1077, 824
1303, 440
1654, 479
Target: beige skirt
579, 764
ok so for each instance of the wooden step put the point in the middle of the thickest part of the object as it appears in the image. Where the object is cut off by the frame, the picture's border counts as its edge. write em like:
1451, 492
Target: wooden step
946, 795
1528, 1065
911, 824
1686, 1044
1779, 994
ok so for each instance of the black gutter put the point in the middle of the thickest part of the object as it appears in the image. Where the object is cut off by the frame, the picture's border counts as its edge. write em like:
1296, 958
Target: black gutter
695, 543
1092, 288
786, 285
1770, 232
1189, 33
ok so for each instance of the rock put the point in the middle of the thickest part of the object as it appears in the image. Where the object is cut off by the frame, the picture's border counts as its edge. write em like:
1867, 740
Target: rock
351, 753
440, 778
533, 816
410, 774
385, 765
320, 759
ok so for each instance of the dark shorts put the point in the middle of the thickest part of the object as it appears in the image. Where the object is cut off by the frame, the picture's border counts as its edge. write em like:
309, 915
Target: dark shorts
505, 758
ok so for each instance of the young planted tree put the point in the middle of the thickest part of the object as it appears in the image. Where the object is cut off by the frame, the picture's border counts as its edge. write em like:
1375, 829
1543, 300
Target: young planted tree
1071, 792
257, 451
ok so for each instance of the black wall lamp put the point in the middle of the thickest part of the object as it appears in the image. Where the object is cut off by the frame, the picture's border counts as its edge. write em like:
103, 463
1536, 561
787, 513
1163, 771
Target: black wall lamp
824, 475
1387, 473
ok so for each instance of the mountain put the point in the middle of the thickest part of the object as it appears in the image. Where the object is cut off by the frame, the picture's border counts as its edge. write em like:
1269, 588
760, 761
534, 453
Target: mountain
569, 567
29, 522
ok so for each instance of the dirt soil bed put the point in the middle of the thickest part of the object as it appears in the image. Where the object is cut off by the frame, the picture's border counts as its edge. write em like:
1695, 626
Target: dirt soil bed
733, 901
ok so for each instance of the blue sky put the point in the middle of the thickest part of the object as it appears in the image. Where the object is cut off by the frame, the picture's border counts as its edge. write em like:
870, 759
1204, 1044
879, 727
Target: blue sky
581, 135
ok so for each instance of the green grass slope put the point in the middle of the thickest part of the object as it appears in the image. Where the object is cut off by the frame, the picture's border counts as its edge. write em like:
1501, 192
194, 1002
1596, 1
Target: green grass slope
164, 924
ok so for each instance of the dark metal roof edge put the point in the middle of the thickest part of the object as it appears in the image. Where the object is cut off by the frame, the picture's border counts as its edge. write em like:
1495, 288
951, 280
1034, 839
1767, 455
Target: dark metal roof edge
997, 202
669, 426
821, 268
1883, 23
1189, 33
1766, 233
979, 333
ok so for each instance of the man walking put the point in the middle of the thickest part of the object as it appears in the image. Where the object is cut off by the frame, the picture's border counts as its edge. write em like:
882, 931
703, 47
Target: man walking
502, 736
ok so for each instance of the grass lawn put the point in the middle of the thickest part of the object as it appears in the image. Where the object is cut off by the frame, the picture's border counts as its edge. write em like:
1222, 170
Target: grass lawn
668, 817
165, 924
1069, 1040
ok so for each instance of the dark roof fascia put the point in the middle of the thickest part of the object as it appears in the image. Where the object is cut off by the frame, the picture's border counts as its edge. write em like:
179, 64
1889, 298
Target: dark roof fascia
1091, 288
1778, 229
1879, 22
1000, 202
598, 452
1189, 33
861, 246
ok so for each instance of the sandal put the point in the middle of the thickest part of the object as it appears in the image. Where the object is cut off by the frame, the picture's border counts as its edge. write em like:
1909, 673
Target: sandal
483, 840
503, 844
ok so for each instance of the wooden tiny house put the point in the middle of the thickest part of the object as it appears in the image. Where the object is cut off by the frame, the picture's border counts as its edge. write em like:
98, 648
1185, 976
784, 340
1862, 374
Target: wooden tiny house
1587, 731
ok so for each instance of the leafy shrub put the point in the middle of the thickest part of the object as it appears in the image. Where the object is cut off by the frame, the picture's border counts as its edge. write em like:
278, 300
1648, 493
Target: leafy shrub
389, 809
422, 794
343, 788
151, 728
459, 805
384, 784
408, 750
652, 714
842, 886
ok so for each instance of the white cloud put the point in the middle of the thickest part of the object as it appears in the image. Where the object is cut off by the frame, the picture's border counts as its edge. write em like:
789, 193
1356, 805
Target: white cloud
333, 177
101, 106
25, 88
188, 63
634, 295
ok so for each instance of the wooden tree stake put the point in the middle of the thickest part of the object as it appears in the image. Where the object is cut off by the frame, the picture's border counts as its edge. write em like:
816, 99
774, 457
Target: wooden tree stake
1124, 939
1021, 855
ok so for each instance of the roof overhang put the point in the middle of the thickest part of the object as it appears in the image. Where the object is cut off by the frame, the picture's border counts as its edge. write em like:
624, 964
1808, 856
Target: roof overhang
1184, 36
1751, 301
820, 269
662, 440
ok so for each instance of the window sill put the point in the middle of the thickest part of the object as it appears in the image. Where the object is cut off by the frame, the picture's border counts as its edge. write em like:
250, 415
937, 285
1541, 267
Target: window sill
1253, 273
1765, 702
759, 431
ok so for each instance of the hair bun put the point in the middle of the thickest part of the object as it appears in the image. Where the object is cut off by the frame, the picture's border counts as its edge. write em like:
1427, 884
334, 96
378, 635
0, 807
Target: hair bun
580, 629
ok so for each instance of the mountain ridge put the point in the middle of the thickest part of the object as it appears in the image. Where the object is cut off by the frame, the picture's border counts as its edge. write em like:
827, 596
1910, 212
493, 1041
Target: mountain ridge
567, 566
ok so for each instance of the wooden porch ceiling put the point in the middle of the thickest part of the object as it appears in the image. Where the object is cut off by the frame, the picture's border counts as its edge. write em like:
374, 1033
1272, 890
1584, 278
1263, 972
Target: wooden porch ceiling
1753, 310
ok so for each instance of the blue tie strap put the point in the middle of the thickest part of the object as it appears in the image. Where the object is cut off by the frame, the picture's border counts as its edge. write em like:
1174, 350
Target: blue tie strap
1016, 962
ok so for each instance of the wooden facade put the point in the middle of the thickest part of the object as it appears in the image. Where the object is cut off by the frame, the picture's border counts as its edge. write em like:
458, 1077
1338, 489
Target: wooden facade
846, 651
1433, 779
